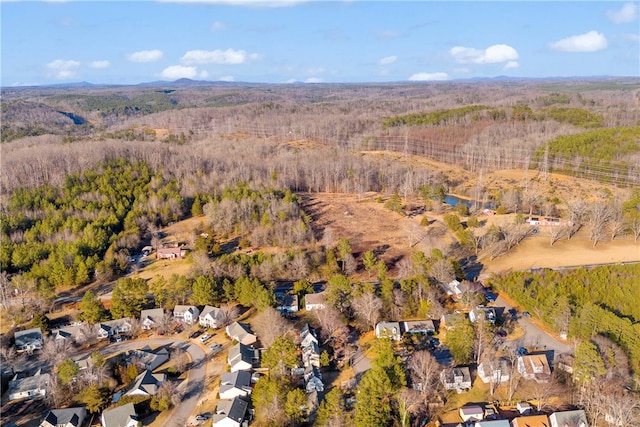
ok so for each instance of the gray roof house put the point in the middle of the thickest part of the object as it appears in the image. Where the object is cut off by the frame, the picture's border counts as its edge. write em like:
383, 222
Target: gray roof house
576, 418
230, 413
243, 358
211, 317
186, 313
241, 333
389, 330
151, 318
28, 340
425, 326
146, 384
307, 335
458, 378
494, 371
29, 387
287, 303
235, 384
68, 417
487, 313
149, 359
114, 327
121, 416
313, 380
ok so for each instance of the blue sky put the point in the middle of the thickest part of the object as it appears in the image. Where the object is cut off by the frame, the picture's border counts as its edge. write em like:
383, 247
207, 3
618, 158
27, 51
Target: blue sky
126, 42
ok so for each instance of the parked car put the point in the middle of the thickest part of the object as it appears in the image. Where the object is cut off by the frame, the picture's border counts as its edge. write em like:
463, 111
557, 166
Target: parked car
526, 314
490, 297
196, 334
501, 333
202, 417
215, 349
205, 337
521, 351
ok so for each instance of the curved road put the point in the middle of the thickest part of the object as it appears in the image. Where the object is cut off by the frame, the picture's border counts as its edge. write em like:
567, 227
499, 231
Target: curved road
191, 388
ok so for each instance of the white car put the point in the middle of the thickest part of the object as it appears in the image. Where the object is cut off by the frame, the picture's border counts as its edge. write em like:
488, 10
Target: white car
215, 348
205, 337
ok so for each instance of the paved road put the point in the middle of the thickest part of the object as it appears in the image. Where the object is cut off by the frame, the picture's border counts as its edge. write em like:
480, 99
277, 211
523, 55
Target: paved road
191, 388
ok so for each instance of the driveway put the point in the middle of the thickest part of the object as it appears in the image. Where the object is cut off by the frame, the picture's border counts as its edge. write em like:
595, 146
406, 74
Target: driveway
534, 336
191, 388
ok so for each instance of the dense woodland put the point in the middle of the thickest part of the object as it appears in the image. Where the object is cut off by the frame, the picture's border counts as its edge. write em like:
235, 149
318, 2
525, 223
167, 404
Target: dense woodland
92, 174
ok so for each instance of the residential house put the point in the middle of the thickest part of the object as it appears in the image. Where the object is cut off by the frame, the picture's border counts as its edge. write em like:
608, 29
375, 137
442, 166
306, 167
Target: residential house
453, 288
22, 386
576, 418
68, 417
307, 335
311, 355
186, 313
243, 358
149, 359
231, 413
313, 380
531, 421
389, 330
287, 303
211, 317
471, 413
483, 313
66, 334
241, 333
114, 327
28, 340
494, 371
492, 423
458, 378
315, 301
418, 327
171, 253
120, 416
151, 318
146, 384
235, 384
534, 367
524, 408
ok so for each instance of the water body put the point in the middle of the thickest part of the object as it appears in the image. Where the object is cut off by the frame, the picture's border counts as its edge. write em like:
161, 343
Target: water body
452, 200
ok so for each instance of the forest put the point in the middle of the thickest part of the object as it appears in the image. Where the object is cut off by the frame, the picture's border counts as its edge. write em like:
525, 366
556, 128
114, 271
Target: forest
91, 176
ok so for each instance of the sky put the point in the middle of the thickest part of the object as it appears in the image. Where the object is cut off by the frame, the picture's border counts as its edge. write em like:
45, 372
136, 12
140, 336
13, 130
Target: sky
287, 41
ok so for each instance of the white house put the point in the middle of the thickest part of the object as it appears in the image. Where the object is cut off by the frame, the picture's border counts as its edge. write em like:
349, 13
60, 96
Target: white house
315, 301
458, 378
114, 327
186, 313
307, 335
151, 318
68, 417
485, 313
29, 387
494, 371
287, 303
231, 413
211, 317
121, 416
235, 384
313, 380
243, 357
471, 413
389, 330
28, 340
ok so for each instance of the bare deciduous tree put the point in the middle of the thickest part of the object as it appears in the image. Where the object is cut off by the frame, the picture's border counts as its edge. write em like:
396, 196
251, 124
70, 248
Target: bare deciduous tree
367, 308
269, 325
424, 370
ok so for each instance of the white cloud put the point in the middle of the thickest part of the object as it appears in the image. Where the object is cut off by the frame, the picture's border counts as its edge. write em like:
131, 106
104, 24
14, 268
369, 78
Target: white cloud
511, 65
314, 80
174, 72
628, 13
226, 78
492, 55
218, 26
422, 77
221, 57
388, 34
387, 60
146, 56
592, 41
63, 69
99, 64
